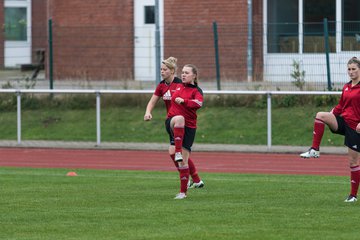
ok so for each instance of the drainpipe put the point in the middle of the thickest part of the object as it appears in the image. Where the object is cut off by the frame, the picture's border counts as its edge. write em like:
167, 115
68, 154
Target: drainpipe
157, 43
249, 43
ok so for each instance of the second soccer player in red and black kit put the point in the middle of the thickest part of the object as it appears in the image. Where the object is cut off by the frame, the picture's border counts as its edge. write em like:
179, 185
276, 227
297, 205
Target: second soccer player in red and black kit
165, 90
344, 119
182, 121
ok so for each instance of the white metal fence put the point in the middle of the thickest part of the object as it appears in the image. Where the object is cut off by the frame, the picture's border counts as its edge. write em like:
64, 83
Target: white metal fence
98, 93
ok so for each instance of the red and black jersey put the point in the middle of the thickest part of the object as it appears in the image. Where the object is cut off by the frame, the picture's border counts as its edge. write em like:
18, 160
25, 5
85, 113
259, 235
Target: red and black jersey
193, 100
349, 105
165, 91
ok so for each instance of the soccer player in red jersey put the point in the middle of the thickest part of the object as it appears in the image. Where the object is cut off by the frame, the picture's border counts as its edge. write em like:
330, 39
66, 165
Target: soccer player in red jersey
165, 90
344, 119
182, 121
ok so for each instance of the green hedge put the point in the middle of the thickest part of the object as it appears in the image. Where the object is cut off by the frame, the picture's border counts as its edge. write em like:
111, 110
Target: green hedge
8, 101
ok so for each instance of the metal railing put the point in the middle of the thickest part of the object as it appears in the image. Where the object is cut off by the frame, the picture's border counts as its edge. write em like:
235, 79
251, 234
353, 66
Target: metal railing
98, 94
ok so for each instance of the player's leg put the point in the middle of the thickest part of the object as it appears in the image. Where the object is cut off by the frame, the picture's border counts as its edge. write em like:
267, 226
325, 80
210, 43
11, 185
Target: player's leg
184, 174
172, 155
354, 175
177, 124
352, 141
321, 119
172, 147
196, 180
189, 137
172, 142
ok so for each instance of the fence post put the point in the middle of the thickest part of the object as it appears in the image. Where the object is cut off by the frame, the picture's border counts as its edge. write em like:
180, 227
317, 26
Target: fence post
51, 73
269, 120
18, 100
326, 36
98, 124
217, 62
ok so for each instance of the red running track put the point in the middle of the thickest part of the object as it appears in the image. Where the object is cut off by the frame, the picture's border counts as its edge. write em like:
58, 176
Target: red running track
226, 162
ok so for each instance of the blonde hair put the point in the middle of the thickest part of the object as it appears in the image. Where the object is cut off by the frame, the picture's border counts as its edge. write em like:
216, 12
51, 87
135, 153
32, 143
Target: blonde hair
170, 63
354, 60
195, 71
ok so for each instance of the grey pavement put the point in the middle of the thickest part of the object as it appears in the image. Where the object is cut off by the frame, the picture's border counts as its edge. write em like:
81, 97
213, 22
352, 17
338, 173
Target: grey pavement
164, 147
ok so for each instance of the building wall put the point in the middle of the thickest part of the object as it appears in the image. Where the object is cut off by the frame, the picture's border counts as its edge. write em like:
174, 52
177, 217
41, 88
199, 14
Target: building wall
92, 39
189, 36
39, 23
39, 27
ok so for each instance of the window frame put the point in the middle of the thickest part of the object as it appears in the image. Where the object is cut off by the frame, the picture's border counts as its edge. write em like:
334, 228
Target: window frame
337, 39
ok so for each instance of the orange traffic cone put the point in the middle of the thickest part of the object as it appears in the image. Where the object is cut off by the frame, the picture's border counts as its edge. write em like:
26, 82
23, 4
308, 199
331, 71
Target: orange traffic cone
71, 174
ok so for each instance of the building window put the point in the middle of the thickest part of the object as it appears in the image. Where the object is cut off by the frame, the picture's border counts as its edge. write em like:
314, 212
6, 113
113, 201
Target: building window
15, 24
314, 14
351, 25
283, 27
286, 35
149, 14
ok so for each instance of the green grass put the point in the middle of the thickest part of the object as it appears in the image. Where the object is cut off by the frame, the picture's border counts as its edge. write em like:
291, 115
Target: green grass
225, 125
108, 204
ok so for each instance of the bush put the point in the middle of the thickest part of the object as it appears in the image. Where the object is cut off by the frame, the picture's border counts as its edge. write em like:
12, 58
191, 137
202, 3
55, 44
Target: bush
326, 100
235, 101
88, 101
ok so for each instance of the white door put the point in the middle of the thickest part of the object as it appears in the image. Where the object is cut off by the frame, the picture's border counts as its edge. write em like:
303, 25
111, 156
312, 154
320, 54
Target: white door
144, 38
17, 29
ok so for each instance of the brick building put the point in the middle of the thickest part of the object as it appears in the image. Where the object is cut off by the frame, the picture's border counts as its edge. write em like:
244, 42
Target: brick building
114, 40
99, 39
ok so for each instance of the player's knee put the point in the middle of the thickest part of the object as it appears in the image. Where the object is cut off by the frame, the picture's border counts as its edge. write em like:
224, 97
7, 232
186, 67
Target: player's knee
324, 116
320, 115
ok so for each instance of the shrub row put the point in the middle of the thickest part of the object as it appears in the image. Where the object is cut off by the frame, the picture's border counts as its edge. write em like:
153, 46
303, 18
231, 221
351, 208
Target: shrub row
8, 101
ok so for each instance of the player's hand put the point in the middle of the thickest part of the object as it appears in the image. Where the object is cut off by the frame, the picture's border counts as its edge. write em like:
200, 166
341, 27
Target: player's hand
358, 128
147, 117
179, 100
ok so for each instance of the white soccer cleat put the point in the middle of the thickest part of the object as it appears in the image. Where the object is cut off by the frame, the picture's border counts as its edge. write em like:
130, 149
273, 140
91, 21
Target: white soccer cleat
200, 184
312, 153
178, 157
351, 199
180, 196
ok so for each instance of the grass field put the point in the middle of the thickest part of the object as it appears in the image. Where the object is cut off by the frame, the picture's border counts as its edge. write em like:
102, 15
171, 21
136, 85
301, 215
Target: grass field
97, 204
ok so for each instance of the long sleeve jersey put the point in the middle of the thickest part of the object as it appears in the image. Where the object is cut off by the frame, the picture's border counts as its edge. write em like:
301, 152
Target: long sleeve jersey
165, 91
349, 105
193, 100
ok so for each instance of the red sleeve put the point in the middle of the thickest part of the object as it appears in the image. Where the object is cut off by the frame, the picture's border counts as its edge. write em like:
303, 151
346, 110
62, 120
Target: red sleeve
337, 110
196, 102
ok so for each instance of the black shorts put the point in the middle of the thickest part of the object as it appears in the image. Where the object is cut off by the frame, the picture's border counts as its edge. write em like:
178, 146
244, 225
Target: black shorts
189, 135
352, 138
